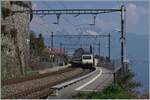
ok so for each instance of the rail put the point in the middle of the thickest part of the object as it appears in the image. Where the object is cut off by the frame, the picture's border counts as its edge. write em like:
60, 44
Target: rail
65, 84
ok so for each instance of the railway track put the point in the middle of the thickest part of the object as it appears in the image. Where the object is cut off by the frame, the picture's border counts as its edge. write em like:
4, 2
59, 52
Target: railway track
40, 91
32, 92
28, 78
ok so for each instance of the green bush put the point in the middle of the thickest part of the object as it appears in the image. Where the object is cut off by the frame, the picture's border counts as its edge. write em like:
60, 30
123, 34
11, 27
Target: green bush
110, 92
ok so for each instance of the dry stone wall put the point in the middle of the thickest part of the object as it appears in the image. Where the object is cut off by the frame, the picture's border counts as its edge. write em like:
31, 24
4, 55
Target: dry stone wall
14, 38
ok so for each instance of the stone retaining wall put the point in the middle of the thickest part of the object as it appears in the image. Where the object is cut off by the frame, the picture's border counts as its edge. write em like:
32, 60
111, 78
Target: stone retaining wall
15, 38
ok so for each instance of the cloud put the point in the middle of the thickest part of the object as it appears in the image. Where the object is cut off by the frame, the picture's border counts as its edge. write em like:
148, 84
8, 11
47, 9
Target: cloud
106, 25
132, 14
45, 26
90, 32
135, 13
34, 6
143, 10
40, 25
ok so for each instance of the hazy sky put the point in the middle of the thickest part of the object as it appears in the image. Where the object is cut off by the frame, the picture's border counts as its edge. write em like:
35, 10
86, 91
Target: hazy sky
136, 18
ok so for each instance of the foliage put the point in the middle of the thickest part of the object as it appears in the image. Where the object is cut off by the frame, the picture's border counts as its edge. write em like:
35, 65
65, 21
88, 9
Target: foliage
78, 53
36, 44
30, 72
41, 44
32, 35
127, 81
65, 59
36, 48
110, 92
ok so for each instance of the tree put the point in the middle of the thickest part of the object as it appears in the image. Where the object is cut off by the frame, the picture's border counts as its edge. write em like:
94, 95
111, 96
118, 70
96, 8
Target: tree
41, 44
36, 44
78, 53
32, 43
32, 35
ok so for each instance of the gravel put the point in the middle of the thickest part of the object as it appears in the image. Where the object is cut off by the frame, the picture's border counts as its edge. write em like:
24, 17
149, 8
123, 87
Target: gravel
19, 87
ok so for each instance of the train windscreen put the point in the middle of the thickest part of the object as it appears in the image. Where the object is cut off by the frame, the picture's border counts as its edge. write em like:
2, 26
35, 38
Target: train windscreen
86, 57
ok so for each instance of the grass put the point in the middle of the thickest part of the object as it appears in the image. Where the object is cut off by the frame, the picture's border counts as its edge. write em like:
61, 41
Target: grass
32, 72
110, 92
28, 72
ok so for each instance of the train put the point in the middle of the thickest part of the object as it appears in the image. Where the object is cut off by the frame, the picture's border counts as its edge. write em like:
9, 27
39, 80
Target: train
89, 59
86, 61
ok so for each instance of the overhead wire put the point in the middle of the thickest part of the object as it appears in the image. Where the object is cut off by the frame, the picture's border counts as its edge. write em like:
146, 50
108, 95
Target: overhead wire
61, 3
78, 22
70, 22
81, 31
67, 19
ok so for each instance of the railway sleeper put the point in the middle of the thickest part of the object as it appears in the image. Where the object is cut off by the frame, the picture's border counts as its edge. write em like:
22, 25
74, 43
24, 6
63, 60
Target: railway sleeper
25, 93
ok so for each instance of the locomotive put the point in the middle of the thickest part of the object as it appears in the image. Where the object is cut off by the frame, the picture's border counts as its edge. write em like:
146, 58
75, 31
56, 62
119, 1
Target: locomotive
88, 59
